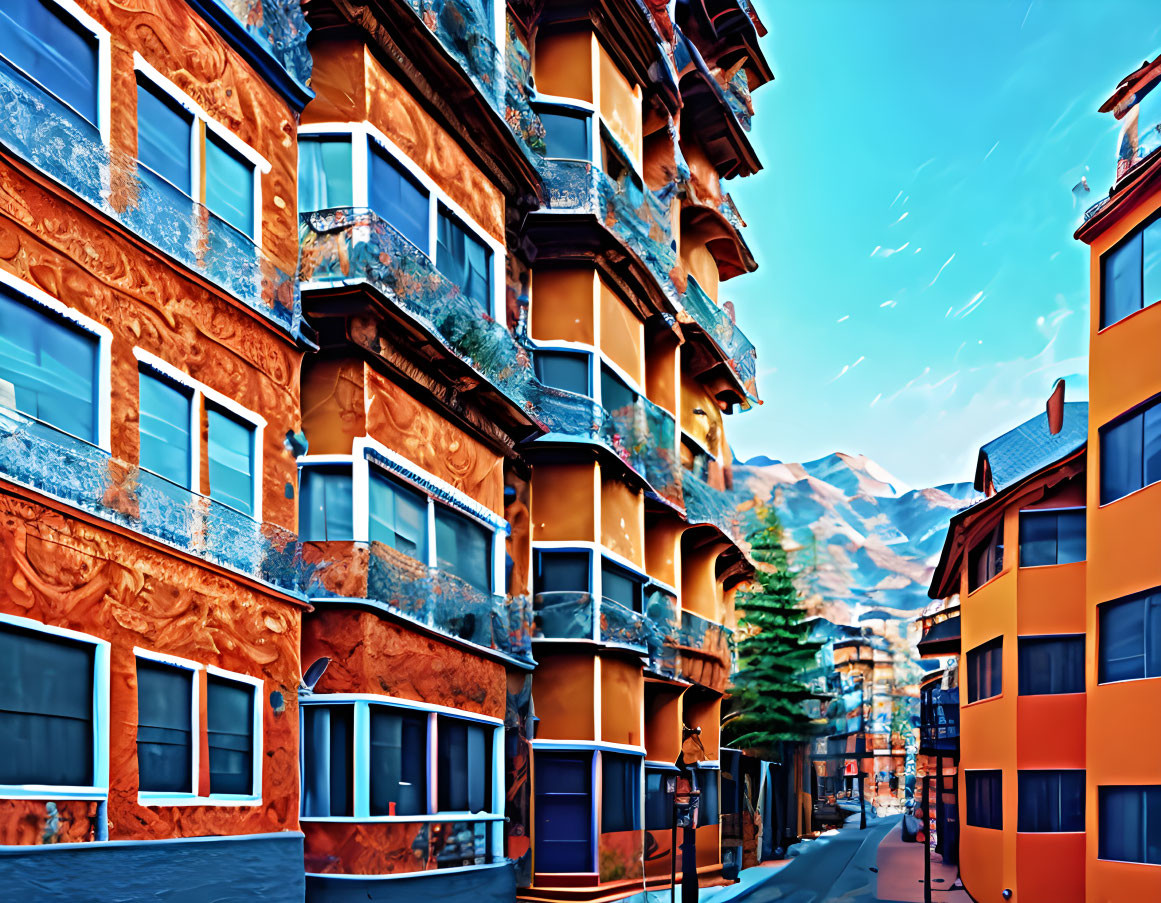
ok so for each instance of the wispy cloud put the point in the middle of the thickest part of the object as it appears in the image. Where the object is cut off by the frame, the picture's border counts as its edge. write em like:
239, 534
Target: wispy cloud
941, 269
880, 251
902, 216
843, 318
989, 153
890, 302
967, 309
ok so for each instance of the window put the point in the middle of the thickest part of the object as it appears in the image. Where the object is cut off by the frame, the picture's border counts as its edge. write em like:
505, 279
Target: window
46, 711
708, 806
165, 727
230, 729
564, 816
621, 586
231, 455
1129, 638
51, 364
399, 199
1051, 664
465, 260
465, 765
1130, 824
658, 799
566, 133
985, 666
1131, 274
324, 172
398, 516
567, 370
325, 496
166, 411
986, 559
463, 548
620, 792
1051, 537
229, 184
328, 760
52, 47
164, 135
562, 572
985, 799
1050, 801
615, 395
398, 761
1131, 453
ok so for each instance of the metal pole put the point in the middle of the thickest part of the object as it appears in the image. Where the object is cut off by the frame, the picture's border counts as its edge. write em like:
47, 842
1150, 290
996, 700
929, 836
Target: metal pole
862, 757
927, 837
673, 850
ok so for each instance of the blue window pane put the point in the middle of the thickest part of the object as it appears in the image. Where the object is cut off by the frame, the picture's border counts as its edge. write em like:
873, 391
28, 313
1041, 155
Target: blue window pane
1071, 544
1121, 466
465, 260
1121, 830
230, 731
398, 517
464, 548
566, 136
1121, 641
164, 135
1121, 281
48, 44
620, 792
985, 807
164, 727
166, 447
620, 586
1038, 537
708, 805
399, 199
1051, 664
229, 185
324, 173
1151, 442
231, 453
51, 364
328, 760
563, 572
1151, 263
1152, 603
566, 370
615, 395
398, 779
465, 765
324, 504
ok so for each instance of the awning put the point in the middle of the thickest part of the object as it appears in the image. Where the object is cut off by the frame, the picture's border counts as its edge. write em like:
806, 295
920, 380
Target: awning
941, 639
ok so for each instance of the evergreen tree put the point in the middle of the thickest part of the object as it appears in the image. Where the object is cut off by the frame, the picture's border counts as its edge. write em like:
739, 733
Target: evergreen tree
766, 706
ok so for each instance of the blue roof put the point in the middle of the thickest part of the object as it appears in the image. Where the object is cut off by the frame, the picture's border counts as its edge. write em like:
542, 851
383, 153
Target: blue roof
1029, 448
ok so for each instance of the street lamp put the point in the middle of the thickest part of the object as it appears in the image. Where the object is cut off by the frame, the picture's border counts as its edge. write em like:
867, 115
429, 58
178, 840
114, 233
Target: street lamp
860, 754
685, 806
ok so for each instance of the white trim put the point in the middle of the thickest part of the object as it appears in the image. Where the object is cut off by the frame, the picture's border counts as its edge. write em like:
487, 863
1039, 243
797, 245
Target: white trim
398, 702
408, 819
578, 545
104, 336
259, 685
100, 712
169, 797
587, 745
201, 394
343, 876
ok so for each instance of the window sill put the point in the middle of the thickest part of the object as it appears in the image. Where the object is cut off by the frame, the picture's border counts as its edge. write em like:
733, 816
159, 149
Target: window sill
968, 705
50, 792
404, 819
154, 800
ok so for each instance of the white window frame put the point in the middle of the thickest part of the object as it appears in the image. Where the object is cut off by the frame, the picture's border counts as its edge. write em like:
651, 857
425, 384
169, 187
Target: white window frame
254, 798
168, 797
104, 69
201, 393
101, 719
196, 190
361, 134
361, 774
37, 297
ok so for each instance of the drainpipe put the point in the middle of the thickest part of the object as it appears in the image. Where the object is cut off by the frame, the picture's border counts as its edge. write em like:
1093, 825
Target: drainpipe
103, 819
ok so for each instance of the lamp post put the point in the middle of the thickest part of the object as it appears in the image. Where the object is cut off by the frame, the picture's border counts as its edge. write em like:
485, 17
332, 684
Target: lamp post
863, 752
685, 805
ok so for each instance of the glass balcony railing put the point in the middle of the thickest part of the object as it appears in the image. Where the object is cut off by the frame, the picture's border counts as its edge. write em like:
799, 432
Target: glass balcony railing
54, 139
633, 213
738, 351
664, 624
280, 27
582, 616
706, 505
449, 604
729, 210
702, 642
464, 28
42, 458
737, 94
518, 113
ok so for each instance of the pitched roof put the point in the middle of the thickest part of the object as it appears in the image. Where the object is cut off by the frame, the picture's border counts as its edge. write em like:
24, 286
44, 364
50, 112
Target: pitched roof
1028, 448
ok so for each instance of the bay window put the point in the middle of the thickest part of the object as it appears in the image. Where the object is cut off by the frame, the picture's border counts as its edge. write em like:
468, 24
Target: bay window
464, 259
622, 586
464, 548
566, 370
567, 132
324, 172
398, 516
398, 761
398, 198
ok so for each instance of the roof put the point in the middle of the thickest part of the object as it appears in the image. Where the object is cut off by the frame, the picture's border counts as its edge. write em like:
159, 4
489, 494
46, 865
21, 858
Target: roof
941, 639
1145, 74
1029, 448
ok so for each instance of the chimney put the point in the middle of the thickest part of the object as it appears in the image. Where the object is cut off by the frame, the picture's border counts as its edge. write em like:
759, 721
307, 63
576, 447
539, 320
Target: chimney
1055, 408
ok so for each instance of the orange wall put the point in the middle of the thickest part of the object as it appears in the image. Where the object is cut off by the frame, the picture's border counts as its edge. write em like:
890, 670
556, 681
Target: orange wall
563, 64
706, 427
622, 697
699, 260
620, 105
561, 308
701, 592
563, 498
662, 722
623, 520
662, 372
663, 548
622, 335
563, 695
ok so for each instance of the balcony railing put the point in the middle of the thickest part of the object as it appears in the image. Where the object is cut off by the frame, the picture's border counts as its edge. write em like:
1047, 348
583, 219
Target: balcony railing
633, 213
706, 505
67, 148
40, 457
737, 94
729, 210
518, 113
449, 604
664, 628
464, 28
738, 350
280, 27
707, 650
582, 616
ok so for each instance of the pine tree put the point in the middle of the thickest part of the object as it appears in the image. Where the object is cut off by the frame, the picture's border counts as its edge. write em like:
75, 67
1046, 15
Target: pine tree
766, 706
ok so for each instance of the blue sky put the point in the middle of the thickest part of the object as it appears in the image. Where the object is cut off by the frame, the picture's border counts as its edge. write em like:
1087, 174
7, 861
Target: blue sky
919, 287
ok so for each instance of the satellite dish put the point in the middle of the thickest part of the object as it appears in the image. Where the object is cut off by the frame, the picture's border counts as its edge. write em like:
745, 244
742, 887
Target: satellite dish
314, 673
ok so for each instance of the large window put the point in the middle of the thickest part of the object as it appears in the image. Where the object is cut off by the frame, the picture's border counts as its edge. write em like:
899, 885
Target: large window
1131, 274
328, 753
1051, 537
985, 670
707, 780
621, 586
325, 496
399, 761
658, 799
47, 717
1050, 801
164, 135
324, 172
398, 198
564, 811
398, 516
51, 363
1131, 453
1129, 827
620, 792
1051, 664
230, 731
465, 260
465, 765
566, 133
166, 410
986, 558
615, 395
165, 727
567, 370
229, 184
1129, 638
231, 450
562, 572
463, 548
985, 799
52, 47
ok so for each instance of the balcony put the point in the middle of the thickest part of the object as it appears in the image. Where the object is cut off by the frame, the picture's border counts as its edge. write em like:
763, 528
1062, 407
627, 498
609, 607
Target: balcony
39, 457
715, 507
463, 28
42, 131
737, 350
706, 651
631, 212
737, 96
938, 720
583, 616
664, 626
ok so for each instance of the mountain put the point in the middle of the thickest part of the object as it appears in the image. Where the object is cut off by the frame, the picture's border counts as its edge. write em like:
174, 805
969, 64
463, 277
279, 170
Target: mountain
859, 539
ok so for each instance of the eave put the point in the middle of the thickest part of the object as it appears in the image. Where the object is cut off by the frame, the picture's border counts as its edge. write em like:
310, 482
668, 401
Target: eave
729, 249
1139, 182
707, 119
725, 31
